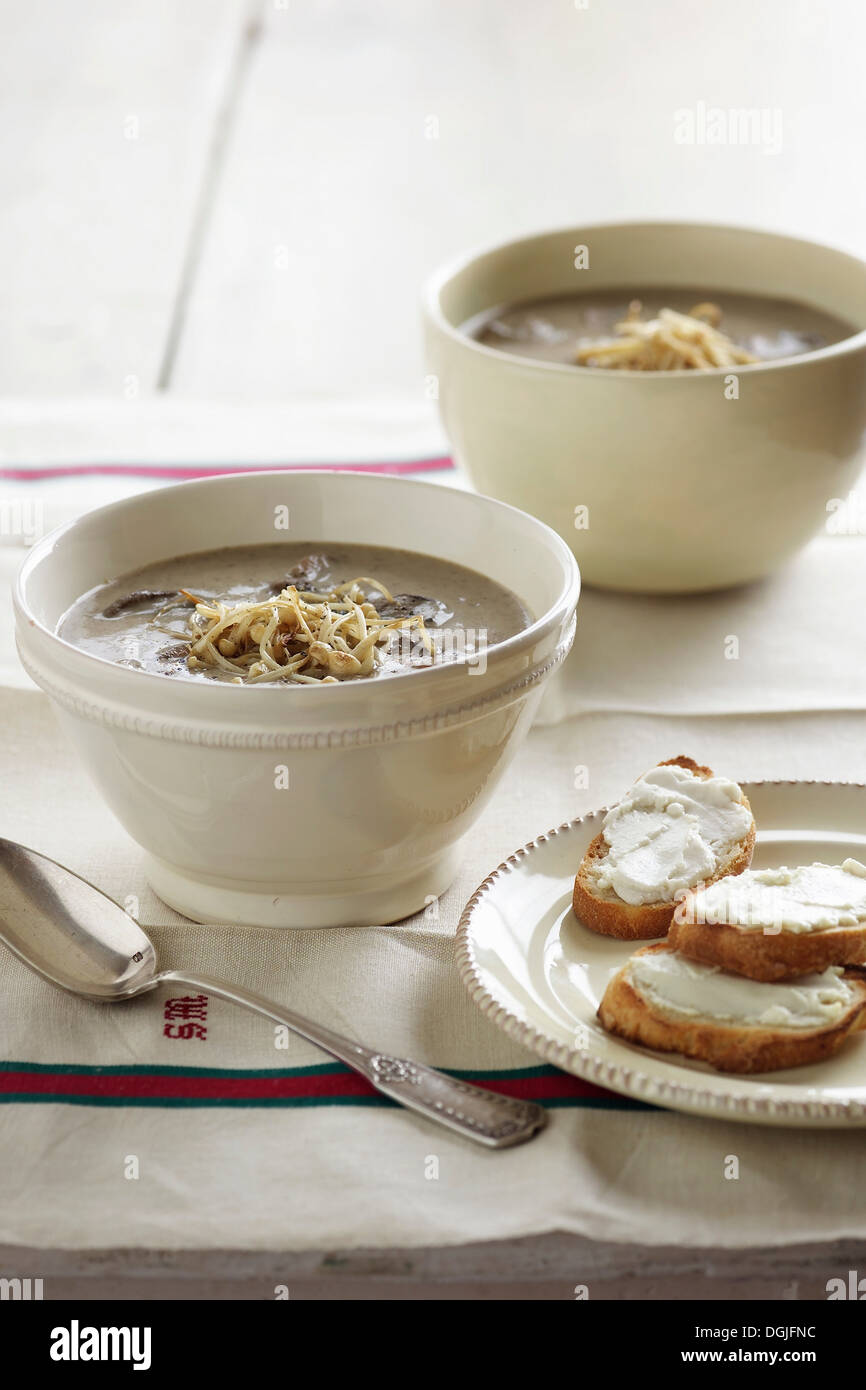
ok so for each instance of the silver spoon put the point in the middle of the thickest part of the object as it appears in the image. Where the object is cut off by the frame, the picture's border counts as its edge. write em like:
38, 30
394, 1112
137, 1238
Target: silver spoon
82, 941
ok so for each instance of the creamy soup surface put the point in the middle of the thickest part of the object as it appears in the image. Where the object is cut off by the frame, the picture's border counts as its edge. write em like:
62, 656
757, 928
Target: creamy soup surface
141, 619
554, 329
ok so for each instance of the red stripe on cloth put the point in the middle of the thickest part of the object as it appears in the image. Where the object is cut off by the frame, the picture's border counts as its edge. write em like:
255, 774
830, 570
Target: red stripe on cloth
196, 1087
329, 1085
184, 472
560, 1086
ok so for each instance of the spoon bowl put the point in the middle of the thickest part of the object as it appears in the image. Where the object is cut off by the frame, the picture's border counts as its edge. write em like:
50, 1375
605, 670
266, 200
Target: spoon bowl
68, 931
79, 939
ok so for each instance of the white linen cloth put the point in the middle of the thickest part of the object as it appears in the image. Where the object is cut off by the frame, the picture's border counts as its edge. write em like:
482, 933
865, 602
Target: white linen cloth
794, 641
325, 1176
315, 1174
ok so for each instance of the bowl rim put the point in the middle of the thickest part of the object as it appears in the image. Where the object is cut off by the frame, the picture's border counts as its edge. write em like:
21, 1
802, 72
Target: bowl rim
424, 679
437, 282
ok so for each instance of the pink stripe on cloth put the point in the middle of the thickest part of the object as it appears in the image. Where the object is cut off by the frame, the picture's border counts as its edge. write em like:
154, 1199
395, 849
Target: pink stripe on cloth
39, 472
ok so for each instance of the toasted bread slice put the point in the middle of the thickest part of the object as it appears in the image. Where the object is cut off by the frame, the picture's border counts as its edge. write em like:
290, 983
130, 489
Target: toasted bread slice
776, 924
747, 1040
601, 909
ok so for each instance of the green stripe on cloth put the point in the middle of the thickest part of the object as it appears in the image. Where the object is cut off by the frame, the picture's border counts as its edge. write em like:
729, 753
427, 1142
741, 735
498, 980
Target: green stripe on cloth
330, 1083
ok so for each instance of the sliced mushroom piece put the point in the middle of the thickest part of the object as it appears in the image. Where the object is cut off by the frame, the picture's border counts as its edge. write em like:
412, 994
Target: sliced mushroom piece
173, 652
135, 599
305, 574
432, 610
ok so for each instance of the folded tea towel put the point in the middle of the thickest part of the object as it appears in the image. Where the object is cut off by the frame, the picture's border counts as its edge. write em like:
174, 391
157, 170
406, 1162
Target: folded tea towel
179, 1122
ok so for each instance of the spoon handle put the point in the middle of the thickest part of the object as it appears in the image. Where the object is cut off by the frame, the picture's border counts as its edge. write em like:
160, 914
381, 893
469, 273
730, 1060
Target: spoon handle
490, 1118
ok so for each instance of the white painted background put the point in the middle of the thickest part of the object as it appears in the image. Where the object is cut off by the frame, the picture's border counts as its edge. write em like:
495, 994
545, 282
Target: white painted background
224, 202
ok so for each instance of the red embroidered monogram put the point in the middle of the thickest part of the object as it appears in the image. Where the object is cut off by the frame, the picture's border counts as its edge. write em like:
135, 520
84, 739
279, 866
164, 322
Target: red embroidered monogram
192, 1009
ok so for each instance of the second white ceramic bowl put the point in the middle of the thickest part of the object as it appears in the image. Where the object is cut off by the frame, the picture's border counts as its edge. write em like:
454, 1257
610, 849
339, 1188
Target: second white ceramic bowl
311, 807
661, 482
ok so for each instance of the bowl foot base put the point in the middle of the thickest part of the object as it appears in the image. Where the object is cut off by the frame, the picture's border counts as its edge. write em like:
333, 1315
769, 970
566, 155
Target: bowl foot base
372, 901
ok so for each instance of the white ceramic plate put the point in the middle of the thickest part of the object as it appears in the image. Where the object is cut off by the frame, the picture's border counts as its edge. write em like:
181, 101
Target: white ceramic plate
534, 969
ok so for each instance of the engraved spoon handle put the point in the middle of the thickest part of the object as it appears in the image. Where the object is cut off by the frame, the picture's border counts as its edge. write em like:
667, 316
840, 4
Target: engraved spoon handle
494, 1120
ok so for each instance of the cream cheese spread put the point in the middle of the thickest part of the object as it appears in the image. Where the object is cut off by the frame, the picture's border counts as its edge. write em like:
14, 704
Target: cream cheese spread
811, 897
670, 831
679, 986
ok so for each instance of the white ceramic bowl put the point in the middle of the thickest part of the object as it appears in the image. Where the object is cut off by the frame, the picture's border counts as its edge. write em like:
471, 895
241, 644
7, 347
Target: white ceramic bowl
686, 486
384, 777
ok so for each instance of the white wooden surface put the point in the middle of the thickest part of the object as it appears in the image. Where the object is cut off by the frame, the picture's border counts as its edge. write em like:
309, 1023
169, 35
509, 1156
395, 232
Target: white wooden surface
107, 113
335, 203
239, 199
